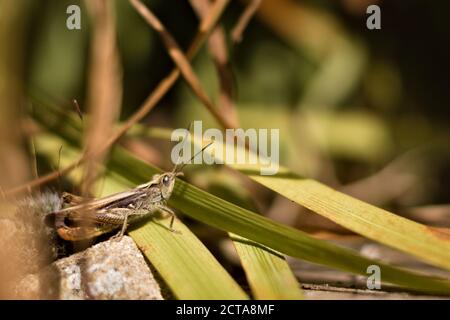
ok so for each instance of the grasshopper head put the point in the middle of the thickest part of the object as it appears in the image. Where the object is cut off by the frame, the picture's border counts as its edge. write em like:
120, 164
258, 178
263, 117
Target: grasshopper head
166, 182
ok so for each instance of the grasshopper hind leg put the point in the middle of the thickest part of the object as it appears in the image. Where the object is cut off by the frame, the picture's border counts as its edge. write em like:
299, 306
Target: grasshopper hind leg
120, 234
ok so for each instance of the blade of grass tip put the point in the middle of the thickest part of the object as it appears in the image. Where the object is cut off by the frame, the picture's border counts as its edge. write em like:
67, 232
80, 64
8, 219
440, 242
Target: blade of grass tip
427, 243
267, 271
185, 264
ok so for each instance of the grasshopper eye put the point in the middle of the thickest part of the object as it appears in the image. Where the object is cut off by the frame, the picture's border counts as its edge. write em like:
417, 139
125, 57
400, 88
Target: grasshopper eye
165, 180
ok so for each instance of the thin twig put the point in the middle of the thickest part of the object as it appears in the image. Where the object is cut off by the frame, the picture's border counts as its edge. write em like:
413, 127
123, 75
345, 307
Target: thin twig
206, 25
44, 179
181, 61
218, 50
400, 174
104, 88
244, 19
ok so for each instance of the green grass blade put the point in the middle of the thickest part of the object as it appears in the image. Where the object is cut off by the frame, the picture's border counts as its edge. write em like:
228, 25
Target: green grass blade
267, 271
430, 244
185, 264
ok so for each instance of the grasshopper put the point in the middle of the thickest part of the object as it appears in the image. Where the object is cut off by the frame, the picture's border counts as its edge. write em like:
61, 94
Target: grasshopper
90, 218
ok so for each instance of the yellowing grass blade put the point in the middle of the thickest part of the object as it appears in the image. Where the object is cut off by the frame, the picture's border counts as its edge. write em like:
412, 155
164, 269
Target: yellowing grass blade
267, 271
430, 244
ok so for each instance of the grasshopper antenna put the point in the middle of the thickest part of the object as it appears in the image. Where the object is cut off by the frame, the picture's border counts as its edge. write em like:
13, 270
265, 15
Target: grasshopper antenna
203, 149
33, 147
59, 173
77, 109
35, 162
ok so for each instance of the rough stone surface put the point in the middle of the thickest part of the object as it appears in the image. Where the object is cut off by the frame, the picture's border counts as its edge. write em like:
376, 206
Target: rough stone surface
109, 270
